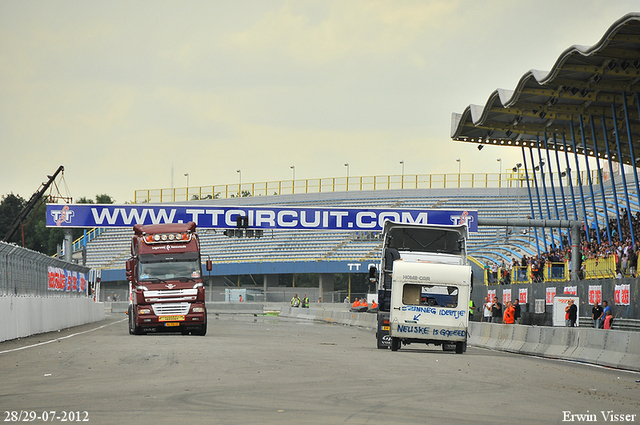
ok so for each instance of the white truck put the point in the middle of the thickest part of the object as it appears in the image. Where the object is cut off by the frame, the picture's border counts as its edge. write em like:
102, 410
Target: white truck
424, 286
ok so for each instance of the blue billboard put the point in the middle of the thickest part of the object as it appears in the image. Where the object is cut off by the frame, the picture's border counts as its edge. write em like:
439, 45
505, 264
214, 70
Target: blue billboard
257, 217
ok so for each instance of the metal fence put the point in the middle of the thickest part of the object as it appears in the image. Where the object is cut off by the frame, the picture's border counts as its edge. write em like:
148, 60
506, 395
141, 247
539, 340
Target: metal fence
24, 272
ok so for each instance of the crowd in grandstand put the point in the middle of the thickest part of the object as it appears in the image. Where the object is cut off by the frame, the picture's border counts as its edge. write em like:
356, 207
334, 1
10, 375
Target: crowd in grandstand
625, 252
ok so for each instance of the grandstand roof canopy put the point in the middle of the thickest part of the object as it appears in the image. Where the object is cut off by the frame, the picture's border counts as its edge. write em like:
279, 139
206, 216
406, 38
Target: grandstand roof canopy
584, 82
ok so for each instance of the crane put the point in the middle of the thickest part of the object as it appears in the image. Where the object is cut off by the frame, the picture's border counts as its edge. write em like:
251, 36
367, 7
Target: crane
17, 222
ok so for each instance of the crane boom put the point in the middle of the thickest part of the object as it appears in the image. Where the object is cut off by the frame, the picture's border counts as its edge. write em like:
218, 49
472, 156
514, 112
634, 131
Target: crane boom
30, 205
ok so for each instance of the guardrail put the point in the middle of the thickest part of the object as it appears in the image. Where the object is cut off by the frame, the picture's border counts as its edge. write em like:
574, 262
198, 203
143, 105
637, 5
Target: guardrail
345, 184
26, 272
593, 268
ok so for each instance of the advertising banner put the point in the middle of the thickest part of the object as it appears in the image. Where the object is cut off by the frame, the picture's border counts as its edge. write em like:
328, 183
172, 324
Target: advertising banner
258, 217
66, 280
506, 296
621, 294
595, 294
551, 292
523, 295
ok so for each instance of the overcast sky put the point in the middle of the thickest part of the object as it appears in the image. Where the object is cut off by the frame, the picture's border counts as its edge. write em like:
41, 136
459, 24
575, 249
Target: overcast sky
122, 92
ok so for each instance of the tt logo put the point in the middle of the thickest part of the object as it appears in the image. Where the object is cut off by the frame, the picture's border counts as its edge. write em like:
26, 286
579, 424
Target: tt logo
170, 286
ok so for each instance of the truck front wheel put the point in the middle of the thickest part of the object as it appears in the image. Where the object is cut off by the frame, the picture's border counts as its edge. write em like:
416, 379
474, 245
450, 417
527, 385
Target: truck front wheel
395, 344
133, 328
200, 332
461, 347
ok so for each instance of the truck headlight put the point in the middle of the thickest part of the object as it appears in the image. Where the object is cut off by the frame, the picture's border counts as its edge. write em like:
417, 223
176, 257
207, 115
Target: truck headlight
198, 309
198, 285
144, 311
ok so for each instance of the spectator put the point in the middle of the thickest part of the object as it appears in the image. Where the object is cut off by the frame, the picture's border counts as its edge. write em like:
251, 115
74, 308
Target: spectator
496, 311
486, 309
605, 309
608, 321
516, 308
509, 314
596, 312
572, 313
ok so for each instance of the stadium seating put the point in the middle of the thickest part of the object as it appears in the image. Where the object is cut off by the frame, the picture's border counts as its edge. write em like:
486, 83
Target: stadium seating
109, 249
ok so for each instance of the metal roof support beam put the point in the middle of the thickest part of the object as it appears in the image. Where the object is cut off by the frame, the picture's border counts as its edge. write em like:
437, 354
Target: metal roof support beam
535, 183
553, 190
544, 188
586, 160
599, 171
624, 179
575, 155
613, 177
574, 225
631, 153
573, 196
533, 214
564, 202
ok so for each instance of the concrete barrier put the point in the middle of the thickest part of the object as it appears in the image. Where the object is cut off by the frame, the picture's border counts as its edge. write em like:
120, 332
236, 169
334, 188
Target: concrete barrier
234, 308
342, 316
620, 349
24, 316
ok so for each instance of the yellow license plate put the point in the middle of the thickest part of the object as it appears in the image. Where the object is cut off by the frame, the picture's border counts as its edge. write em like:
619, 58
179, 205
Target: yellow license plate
385, 328
172, 324
170, 318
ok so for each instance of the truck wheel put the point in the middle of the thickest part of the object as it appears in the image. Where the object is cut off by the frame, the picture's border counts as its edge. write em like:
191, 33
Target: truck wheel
395, 344
133, 329
460, 347
447, 346
200, 332
130, 321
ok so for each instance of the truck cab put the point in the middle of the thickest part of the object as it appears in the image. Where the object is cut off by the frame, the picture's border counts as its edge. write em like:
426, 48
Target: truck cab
424, 286
166, 290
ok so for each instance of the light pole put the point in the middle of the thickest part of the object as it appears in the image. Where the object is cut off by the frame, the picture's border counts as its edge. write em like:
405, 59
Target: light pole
293, 179
459, 161
187, 194
239, 181
346, 164
500, 173
402, 175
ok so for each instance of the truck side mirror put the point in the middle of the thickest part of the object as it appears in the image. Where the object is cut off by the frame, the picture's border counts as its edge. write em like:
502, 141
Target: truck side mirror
209, 265
373, 274
129, 270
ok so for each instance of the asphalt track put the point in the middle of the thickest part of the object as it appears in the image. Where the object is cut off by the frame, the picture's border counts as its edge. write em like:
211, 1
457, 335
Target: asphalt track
271, 370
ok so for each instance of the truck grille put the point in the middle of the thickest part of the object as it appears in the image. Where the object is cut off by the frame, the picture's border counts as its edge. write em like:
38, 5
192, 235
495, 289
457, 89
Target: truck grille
170, 309
171, 293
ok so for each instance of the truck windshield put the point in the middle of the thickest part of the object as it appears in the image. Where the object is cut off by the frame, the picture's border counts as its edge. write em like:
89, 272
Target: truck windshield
174, 270
430, 295
426, 240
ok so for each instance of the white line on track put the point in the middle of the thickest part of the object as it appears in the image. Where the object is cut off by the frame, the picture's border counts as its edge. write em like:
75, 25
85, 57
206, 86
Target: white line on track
61, 338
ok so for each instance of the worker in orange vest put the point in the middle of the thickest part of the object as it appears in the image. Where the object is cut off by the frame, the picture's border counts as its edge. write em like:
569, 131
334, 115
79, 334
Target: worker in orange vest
364, 303
374, 304
356, 303
509, 314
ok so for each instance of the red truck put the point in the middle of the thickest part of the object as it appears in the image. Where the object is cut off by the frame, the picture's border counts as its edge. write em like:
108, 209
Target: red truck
166, 292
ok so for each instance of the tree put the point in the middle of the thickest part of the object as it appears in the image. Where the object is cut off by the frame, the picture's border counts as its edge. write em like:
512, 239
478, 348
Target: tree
10, 207
104, 199
37, 236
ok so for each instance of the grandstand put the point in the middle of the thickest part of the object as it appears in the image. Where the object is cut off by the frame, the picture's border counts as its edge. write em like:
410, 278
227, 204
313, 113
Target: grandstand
586, 105
110, 248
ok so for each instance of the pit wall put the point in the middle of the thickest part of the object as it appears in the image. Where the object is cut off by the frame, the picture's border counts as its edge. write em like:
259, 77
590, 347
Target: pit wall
619, 349
24, 316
